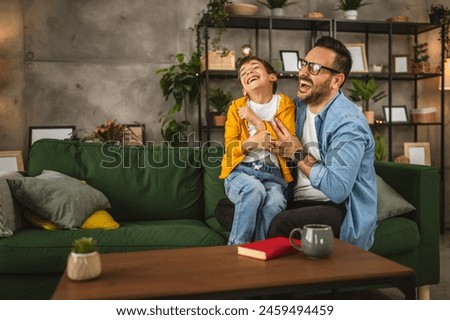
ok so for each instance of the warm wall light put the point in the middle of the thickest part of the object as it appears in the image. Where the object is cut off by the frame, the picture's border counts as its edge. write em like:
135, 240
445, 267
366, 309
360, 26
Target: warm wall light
447, 75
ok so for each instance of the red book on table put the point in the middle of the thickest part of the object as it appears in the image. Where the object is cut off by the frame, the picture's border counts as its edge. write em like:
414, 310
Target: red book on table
267, 249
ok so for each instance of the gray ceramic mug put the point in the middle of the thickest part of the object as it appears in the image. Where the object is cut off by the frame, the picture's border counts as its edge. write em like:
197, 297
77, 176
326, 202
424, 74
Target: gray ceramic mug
317, 240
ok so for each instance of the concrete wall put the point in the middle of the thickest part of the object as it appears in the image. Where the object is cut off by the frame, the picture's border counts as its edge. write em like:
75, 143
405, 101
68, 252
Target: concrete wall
81, 62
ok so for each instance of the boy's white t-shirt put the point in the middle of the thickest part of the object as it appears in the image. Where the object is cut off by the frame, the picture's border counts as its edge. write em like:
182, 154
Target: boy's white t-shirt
266, 112
303, 189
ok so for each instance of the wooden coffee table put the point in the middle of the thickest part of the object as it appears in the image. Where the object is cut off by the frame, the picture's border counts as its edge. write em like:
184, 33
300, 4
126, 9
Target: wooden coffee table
220, 273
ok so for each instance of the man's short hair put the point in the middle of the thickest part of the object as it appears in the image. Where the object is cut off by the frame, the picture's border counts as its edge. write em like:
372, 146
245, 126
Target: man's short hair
343, 61
269, 68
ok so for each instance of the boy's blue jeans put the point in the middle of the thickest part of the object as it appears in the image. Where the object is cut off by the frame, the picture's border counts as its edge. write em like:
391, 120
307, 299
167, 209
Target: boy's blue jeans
257, 190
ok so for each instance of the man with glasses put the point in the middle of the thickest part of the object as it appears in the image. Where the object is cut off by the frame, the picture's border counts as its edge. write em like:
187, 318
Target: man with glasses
333, 150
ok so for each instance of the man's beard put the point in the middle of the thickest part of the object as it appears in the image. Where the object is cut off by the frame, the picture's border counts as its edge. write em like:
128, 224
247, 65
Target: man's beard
318, 94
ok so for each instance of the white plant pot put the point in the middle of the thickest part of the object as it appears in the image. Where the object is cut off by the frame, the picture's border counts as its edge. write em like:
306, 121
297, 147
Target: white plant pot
277, 12
83, 266
351, 14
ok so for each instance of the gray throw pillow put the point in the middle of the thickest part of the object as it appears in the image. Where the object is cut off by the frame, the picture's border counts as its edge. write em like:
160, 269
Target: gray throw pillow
10, 212
54, 196
390, 202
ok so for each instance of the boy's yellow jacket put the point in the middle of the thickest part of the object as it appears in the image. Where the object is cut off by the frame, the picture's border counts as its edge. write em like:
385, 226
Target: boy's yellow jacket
236, 131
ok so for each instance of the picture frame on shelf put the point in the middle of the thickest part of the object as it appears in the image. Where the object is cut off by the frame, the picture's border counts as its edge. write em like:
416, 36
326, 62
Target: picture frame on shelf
358, 52
399, 114
36, 133
400, 63
137, 135
417, 152
289, 59
11, 161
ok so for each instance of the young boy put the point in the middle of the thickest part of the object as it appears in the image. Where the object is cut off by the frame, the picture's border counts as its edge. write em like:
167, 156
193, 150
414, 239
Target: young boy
255, 179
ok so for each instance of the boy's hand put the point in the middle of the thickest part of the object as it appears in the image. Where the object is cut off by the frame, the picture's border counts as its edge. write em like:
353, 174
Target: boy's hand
260, 140
248, 114
287, 143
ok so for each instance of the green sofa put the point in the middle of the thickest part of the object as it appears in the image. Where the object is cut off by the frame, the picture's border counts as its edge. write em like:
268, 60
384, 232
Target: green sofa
165, 198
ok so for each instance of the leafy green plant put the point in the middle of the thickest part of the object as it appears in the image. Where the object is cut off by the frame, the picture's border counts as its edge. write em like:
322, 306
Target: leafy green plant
421, 52
365, 92
214, 16
84, 245
272, 4
442, 14
380, 147
219, 100
181, 82
346, 5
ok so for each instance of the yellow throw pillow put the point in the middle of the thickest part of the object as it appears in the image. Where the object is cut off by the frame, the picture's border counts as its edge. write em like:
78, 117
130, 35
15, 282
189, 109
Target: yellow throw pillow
100, 219
40, 222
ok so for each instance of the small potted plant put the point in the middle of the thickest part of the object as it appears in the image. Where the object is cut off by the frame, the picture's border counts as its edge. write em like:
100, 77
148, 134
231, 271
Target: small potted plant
219, 102
380, 147
421, 64
276, 6
350, 8
364, 92
84, 261
440, 14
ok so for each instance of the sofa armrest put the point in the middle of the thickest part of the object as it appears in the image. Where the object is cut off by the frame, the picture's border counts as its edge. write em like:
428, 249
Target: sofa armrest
420, 185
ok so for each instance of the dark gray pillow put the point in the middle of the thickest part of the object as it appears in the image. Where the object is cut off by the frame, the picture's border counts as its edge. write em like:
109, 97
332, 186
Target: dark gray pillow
390, 202
10, 212
54, 196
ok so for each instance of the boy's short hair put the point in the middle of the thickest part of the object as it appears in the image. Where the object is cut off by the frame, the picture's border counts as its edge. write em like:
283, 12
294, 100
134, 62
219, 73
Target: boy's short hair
269, 68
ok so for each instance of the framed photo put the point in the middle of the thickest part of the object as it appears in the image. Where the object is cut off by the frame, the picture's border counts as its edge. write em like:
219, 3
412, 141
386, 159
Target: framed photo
400, 63
50, 132
399, 114
417, 152
289, 60
134, 134
358, 52
11, 161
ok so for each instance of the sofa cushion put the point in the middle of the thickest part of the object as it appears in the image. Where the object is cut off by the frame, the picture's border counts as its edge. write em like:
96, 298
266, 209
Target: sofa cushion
10, 211
54, 196
100, 219
46, 253
389, 202
396, 235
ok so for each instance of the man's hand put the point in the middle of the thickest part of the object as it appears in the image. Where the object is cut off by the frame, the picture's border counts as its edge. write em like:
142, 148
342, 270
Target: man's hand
248, 114
260, 140
287, 143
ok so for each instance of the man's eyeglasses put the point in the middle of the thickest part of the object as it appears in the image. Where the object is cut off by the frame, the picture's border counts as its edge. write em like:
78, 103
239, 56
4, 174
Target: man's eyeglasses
314, 68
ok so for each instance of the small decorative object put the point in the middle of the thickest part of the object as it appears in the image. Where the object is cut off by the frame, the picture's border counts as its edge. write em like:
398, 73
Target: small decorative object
219, 60
289, 58
424, 115
241, 9
219, 102
364, 92
401, 63
418, 152
84, 261
398, 19
112, 131
276, 6
377, 67
421, 64
314, 15
401, 159
398, 113
350, 8
358, 52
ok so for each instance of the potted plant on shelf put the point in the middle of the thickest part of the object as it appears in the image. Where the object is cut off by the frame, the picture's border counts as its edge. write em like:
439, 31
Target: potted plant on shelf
421, 64
364, 92
181, 82
380, 146
276, 6
84, 261
440, 14
219, 102
350, 8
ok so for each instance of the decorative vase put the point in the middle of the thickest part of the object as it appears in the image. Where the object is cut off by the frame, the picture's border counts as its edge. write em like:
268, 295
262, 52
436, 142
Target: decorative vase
421, 67
84, 266
351, 14
370, 116
277, 12
219, 120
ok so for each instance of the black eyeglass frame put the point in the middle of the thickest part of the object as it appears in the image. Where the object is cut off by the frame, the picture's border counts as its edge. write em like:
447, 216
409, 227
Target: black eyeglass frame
310, 67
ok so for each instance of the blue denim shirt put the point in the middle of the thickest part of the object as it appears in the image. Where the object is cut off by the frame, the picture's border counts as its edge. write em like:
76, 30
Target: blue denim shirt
347, 172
